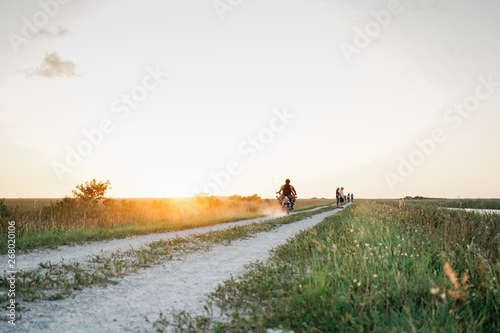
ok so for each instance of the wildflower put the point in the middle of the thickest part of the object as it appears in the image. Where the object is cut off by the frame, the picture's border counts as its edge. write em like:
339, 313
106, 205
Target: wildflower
367, 245
375, 276
459, 289
354, 281
435, 291
359, 284
451, 275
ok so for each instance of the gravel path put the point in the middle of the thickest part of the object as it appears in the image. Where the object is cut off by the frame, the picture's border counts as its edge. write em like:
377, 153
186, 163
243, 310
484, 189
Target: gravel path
78, 253
168, 288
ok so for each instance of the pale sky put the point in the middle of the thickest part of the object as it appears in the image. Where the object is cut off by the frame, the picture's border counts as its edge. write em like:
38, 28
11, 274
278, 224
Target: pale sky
168, 98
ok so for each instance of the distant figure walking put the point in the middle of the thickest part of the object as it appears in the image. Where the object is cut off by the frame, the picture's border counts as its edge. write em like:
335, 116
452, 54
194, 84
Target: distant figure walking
342, 197
348, 197
352, 197
337, 195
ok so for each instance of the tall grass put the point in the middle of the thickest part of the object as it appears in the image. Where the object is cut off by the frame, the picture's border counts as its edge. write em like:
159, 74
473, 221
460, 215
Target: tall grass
469, 203
50, 281
44, 223
372, 268
453, 203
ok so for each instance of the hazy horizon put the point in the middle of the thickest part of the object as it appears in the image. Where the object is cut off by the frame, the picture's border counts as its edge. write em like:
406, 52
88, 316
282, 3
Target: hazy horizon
273, 197
168, 99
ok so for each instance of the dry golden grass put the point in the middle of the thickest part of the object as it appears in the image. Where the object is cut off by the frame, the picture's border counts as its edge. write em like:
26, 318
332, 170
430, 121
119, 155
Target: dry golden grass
51, 222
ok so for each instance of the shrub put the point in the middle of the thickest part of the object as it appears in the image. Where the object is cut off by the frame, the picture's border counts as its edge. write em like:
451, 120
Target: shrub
5, 215
92, 191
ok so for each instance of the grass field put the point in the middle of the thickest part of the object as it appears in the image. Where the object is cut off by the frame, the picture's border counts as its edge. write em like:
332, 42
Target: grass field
450, 203
53, 222
58, 280
375, 267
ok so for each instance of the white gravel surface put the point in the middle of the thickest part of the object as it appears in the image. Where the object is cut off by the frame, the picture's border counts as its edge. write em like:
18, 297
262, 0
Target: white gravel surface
74, 253
168, 288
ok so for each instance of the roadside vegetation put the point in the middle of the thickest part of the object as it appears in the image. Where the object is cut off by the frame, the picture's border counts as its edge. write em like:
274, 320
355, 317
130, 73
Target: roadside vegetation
53, 281
88, 215
376, 267
452, 203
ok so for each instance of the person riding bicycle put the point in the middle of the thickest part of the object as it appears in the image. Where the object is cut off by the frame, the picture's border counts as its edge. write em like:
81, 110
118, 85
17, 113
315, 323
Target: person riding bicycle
287, 190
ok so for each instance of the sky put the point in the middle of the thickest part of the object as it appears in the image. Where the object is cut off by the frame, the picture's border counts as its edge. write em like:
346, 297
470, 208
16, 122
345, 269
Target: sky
178, 97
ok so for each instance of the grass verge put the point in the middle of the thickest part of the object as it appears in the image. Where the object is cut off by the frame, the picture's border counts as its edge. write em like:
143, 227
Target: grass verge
55, 238
373, 268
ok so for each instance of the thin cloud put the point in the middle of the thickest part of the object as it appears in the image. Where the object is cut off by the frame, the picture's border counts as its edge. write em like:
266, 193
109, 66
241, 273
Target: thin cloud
54, 66
61, 31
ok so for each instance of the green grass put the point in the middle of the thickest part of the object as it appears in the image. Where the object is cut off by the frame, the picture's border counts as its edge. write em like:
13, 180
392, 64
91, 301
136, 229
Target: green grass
47, 223
451, 203
371, 268
54, 238
305, 204
52, 281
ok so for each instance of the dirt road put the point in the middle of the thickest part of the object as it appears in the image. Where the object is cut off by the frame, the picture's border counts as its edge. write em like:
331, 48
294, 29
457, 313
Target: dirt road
167, 288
